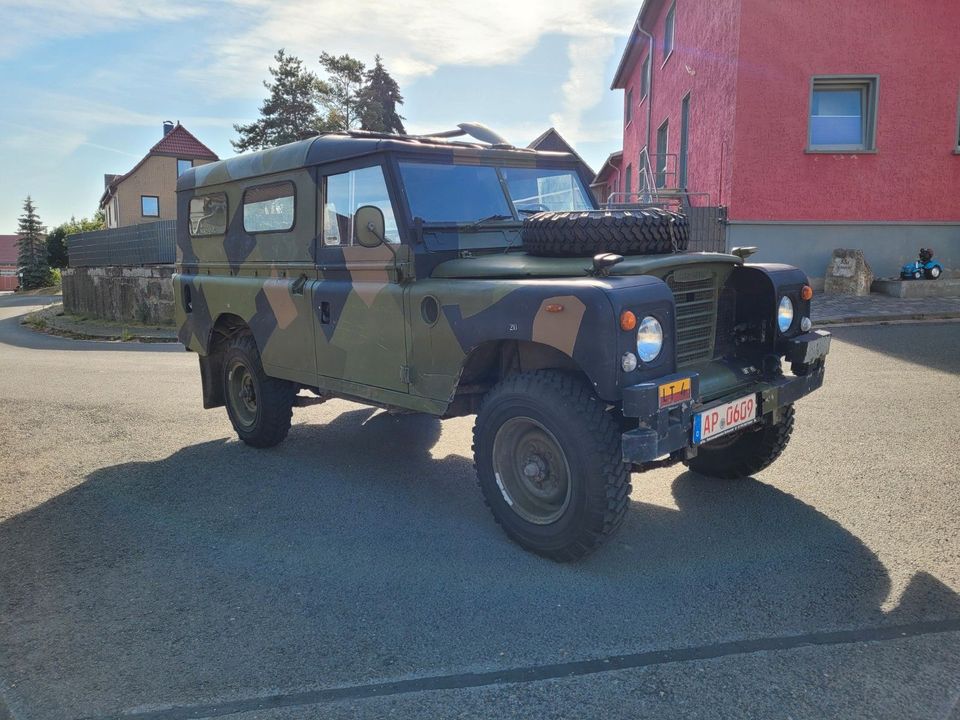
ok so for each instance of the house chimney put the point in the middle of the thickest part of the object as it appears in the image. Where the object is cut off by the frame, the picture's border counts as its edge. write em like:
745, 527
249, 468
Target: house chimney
167, 127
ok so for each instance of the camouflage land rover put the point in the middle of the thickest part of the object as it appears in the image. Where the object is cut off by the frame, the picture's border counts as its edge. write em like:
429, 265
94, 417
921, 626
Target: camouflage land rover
433, 275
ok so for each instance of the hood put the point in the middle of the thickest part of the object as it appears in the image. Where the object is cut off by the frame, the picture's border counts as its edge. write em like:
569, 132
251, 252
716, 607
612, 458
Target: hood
521, 265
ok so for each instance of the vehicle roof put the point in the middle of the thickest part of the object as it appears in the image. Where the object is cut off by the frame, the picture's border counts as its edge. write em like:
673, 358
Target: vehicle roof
332, 147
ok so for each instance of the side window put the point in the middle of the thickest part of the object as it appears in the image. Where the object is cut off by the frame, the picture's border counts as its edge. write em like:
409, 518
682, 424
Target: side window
269, 208
208, 215
347, 192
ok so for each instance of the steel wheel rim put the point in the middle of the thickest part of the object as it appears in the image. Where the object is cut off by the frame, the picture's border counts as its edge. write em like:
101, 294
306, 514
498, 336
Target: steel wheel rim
531, 470
242, 388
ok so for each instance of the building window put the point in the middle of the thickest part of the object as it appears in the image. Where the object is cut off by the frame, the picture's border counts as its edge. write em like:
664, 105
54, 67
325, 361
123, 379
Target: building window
183, 166
150, 206
645, 77
684, 132
208, 215
269, 208
628, 184
843, 114
628, 110
663, 133
643, 184
668, 28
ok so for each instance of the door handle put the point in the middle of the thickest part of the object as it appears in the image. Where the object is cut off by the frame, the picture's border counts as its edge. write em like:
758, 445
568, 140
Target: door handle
324, 313
298, 284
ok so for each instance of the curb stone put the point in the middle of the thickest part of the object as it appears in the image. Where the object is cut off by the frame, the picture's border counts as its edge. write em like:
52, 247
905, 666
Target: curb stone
56, 323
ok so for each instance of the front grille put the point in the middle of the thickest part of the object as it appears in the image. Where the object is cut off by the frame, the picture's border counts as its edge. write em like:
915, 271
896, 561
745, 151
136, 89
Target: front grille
695, 296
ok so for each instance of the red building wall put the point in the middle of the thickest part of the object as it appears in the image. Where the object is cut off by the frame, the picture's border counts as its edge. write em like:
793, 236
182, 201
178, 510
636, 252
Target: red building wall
704, 64
914, 48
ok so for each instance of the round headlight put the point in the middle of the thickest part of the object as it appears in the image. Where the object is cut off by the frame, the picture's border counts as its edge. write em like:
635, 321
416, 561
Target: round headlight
785, 314
649, 339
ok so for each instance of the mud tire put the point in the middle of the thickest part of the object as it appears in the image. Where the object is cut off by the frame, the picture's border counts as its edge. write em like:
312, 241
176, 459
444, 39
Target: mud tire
589, 439
265, 421
649, 231
746, 453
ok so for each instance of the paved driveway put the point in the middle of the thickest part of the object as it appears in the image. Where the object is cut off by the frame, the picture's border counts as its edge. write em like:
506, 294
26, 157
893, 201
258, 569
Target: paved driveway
152, 566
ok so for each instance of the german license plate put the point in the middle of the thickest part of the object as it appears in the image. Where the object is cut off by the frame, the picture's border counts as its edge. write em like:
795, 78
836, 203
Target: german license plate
723, 419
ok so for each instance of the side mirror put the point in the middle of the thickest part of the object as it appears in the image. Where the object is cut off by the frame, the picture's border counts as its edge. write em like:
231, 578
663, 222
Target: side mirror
369, 226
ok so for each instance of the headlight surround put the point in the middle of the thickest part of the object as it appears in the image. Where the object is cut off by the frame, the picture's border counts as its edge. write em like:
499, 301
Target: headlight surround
649, 339
785, 314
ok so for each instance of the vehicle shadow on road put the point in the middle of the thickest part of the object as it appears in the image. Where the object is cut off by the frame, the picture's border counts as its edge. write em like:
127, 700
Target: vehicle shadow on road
355, 552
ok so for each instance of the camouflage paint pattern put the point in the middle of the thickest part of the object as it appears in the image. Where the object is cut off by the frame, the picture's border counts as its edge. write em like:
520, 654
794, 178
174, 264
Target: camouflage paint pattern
356, 321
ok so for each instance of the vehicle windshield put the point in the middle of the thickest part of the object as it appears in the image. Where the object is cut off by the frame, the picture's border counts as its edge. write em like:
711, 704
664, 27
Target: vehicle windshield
474, 194
540, 189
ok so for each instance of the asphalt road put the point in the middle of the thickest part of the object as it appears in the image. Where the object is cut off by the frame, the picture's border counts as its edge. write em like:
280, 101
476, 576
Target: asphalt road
151, 566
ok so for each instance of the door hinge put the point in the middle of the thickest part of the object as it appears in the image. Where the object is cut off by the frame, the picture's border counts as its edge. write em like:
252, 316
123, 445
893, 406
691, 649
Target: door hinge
405, 374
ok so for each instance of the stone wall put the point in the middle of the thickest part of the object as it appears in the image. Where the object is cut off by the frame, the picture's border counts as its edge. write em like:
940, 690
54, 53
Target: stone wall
139, 294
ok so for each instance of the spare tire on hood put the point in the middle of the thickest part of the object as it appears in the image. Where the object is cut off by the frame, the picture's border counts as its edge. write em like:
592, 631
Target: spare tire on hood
647, 231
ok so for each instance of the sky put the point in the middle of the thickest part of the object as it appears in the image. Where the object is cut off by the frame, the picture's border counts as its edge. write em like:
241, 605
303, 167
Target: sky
85, 85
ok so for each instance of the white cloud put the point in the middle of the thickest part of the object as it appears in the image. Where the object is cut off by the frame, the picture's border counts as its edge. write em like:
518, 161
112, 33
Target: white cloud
26, 25
416, 37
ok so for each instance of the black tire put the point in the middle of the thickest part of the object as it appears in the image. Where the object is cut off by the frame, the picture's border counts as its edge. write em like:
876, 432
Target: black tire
744, 453
933, 273
583, 461
260, 407
649, 231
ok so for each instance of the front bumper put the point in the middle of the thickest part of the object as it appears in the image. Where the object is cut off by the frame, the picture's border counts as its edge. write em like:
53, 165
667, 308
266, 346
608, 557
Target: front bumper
665, 420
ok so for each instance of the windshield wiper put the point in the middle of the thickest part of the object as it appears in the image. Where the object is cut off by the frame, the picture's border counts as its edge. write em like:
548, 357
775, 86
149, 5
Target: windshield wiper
489, 218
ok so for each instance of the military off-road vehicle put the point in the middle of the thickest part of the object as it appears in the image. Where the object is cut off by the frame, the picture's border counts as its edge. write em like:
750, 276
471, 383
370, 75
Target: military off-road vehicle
448, 276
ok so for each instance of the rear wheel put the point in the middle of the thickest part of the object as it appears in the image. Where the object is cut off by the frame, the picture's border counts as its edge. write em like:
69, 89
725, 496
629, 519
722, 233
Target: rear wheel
933, 273
549, 465
744, 453
260, 407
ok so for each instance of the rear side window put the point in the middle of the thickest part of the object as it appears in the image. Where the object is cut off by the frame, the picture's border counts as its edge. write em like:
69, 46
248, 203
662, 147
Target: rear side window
208, 215
269, 208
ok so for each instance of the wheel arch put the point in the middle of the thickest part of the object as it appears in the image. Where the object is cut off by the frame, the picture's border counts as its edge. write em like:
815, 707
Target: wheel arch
211, 361
491, 361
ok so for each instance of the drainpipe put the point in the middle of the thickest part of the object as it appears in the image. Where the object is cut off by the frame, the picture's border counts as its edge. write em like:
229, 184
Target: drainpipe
649, 38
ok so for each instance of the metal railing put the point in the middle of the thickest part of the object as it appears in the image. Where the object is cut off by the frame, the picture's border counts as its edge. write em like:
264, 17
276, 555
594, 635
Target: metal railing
707, 223
148, 244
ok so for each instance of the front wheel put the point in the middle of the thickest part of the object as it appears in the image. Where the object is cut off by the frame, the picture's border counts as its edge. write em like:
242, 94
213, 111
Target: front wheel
746, 452
260, 407
549, 464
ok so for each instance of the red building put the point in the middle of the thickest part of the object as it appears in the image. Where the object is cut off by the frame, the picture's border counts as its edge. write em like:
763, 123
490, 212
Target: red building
9, 248
817, 124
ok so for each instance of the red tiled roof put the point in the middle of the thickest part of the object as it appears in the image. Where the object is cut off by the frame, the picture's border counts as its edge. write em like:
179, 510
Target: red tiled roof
181, 141
9, 248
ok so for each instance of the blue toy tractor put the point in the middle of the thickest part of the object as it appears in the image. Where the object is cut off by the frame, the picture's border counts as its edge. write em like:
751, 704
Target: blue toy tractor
925, 267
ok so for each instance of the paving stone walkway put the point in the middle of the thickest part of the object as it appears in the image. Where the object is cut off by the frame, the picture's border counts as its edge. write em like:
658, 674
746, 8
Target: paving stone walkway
875, 307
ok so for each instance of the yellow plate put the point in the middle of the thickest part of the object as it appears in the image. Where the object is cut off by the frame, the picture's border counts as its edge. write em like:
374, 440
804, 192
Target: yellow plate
675, 392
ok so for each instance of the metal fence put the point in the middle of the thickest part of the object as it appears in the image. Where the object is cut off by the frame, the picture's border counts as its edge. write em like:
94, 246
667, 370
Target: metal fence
708, 228
148, 244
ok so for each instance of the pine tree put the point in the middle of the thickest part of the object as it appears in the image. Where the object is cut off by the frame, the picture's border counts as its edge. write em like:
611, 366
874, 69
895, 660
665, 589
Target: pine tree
342, 94
289, 113
32, 255
381, 96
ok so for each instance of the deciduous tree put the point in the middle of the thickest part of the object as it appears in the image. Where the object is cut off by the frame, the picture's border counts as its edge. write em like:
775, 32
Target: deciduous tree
342, 94
57, 255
